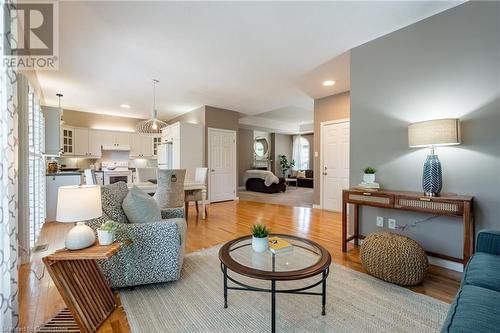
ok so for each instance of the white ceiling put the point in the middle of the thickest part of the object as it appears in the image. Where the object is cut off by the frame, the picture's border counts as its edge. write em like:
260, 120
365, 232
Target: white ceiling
249, 57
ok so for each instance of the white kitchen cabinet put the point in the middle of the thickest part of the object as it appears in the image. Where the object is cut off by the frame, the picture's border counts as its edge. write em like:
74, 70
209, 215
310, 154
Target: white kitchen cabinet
67, 140
122, 138
81, 142
97, 138
156, 142
53, 182
141, 145
185, 148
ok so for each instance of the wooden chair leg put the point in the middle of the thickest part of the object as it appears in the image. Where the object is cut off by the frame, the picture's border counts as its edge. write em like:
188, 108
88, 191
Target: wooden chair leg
186, 210
206, 212
197, 211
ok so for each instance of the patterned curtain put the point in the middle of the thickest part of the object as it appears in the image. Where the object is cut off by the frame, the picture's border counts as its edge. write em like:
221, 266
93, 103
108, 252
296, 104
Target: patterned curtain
9, 317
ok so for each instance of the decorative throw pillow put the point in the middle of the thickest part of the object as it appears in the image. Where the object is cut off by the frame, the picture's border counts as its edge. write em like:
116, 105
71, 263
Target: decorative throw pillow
301, 174
293, 173
112, 198
141, 207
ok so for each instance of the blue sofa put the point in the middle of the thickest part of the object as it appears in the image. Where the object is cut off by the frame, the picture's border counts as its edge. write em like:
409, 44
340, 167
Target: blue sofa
476, 307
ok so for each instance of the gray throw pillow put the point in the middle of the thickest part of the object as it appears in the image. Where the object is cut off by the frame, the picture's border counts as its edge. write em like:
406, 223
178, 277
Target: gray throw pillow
141, 207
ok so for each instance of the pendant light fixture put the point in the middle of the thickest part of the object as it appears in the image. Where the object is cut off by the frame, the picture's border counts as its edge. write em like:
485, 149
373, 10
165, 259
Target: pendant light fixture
153, 125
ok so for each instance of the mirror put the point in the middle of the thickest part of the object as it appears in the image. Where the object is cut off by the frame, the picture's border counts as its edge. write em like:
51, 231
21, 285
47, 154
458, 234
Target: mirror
261, 147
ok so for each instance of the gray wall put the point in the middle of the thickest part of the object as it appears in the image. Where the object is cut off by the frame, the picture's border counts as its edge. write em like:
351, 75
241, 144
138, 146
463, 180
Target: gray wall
325, 109
245, 153
445, 66
196, 116
282, 145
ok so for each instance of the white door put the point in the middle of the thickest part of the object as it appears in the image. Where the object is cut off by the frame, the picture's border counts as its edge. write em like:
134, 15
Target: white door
221, 165
334, 163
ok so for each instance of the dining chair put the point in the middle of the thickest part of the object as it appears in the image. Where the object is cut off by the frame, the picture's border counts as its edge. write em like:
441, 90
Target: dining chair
90, 178
170, 188
196, 195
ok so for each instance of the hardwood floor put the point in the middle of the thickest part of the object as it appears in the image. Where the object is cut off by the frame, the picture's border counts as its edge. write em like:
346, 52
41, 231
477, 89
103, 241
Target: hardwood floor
39, 299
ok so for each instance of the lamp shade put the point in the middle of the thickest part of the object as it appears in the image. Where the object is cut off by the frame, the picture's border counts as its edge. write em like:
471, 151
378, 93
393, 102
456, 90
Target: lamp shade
78, 203
439, 132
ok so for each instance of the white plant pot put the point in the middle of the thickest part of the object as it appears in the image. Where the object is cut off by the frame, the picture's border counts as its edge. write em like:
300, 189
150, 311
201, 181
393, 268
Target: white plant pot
105, 237
260, 245
369, 177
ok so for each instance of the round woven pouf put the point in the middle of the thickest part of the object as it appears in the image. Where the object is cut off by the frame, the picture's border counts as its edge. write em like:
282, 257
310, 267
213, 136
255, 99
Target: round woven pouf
394, 258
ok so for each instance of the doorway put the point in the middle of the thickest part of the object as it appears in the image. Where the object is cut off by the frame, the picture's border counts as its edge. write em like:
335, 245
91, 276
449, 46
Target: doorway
221, 164
334, 163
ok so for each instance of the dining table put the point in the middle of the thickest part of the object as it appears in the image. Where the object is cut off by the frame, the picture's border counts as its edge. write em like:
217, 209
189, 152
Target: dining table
189, 186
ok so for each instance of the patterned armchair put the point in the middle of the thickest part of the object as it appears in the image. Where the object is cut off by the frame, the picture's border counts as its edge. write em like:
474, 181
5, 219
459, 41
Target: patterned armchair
158, 247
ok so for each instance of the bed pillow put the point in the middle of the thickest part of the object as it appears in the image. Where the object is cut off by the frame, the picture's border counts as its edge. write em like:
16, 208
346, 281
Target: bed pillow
140, 207
301, 174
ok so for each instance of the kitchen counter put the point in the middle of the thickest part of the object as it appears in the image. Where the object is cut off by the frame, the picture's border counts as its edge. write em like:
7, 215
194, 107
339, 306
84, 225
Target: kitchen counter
64, 173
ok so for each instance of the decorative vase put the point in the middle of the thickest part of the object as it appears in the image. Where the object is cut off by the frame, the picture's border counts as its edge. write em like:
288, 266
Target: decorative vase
369, 178
260, 245
432, 179
79, 237
105, 237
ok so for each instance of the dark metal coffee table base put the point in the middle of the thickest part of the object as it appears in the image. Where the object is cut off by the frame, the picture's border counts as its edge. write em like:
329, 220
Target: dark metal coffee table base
274, 291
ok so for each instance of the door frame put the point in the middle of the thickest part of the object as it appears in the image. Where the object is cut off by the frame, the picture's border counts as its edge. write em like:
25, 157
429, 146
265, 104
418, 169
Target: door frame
322, 125
209, 162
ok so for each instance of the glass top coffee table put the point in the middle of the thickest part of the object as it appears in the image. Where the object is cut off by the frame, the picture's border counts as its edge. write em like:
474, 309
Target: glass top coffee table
306, 260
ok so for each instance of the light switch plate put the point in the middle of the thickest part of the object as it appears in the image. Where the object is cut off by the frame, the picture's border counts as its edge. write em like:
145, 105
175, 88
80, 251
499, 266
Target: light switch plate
392, 223
380, 221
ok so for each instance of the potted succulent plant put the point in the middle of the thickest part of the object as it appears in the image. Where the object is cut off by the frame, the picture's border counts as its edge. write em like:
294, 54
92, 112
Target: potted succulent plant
106, 232
260, 238
369, 175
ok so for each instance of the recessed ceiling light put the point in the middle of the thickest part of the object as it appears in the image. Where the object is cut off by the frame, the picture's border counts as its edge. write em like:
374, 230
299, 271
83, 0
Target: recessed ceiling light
125, 106
328, 83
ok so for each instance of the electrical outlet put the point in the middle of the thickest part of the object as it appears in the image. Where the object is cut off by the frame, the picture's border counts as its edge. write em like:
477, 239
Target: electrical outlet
392, 223
380, 221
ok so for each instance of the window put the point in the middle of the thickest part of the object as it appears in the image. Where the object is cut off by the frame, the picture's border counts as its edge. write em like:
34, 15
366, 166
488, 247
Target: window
304, 154
301, 149
36, 168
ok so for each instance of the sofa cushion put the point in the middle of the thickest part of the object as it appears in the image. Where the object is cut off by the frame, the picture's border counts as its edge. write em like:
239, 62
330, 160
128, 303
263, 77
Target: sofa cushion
141, 207
112, 198
475, 309
301, 174
483, 270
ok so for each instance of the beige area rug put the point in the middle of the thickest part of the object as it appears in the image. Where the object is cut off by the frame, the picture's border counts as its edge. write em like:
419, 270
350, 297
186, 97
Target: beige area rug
297, 197
356, 302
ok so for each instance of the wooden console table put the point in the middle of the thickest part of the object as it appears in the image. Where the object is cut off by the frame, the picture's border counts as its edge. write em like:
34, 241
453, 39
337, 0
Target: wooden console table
446, 205
83, 288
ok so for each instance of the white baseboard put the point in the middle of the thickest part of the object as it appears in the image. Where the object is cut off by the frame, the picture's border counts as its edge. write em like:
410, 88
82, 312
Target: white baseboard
316, 206
454, 266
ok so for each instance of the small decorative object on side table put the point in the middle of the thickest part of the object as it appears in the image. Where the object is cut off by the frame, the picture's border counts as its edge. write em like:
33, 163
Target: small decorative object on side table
308, 259
82, 286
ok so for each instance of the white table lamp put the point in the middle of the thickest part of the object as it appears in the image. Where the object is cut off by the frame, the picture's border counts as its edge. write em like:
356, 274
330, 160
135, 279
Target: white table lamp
433, 133
77, 204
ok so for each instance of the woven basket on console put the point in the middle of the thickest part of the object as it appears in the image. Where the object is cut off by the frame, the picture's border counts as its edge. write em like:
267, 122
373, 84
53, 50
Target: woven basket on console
394, 258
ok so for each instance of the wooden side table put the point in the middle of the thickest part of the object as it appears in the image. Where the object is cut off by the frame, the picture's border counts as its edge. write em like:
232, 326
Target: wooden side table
83, 288
446, 204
